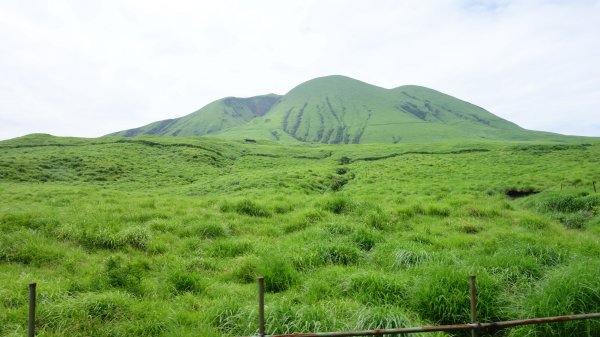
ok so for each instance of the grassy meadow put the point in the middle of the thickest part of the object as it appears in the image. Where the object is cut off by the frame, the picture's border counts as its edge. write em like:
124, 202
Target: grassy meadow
154, 236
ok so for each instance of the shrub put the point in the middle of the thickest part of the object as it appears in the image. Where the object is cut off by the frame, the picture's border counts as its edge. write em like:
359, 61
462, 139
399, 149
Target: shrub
339, 228
338, 205
279, 274
289, 317
246, 207
568, 203
410, 257
387, 317
575, 220
230, 248
338, 253
512, 265
376, 288
27, 247
182, 281
204, 230
97, 238
481, 212
366, 239
377, 219
437, 210
572, 289
336, 183
246, 269
125, 275
137, 237
344, 160
547, 255
534, 222
441, 295
341, 170
90, 312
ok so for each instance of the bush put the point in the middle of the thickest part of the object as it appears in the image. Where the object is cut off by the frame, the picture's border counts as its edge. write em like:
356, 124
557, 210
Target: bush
441, 295
279, 274
344, 160
573, 289
437, 210
575, 220
387, 317
376, 288
338, 182
27, 247
231, 318
125, 275
204, 230
137, 237
377, 219
88, 312
366, 239
338, 205
338, 253
230, 248
409, 257
534, 222
568, 203
183, 281
246, 269
246, 207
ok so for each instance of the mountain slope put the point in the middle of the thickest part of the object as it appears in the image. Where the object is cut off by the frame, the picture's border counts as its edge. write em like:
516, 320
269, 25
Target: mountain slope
214, 117
341, 110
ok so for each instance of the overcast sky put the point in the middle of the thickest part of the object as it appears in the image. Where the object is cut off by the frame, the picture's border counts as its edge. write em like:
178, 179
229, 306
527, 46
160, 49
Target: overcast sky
88, 68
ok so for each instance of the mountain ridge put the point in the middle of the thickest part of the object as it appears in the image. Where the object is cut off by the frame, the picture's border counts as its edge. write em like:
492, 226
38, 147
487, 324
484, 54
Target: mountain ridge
337, 109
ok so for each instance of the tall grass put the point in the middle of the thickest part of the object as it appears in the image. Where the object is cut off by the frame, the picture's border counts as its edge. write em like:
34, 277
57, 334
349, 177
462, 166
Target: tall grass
167, 237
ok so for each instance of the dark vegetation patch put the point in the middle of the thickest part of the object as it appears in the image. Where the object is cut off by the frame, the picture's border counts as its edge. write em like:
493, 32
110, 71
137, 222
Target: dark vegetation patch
547, 148
339, 205
246, 207
514, 193
341, 170
414, 110
344, 160
258, 105
392, 155
167, 145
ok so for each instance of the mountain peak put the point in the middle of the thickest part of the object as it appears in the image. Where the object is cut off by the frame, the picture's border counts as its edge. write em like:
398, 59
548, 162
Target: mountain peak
337, 109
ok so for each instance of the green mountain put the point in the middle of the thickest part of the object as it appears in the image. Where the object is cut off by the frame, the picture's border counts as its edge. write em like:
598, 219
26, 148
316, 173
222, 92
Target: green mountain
217, 116
341, 110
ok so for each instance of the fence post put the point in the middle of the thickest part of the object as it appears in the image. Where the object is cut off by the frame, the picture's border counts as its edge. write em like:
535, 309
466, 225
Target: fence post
261, 306
473, 296
31, 331
594, 184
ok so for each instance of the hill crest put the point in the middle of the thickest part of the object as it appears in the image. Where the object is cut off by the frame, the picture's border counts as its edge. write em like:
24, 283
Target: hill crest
337, 109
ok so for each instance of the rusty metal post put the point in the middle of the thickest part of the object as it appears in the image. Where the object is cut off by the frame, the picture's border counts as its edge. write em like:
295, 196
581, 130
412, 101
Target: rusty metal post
261, 306
31, 331
473, 296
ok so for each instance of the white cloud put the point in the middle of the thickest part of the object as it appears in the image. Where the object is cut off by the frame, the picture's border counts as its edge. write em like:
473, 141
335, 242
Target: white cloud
90, 68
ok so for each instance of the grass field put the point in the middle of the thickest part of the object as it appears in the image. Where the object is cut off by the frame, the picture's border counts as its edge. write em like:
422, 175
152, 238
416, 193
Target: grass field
165, 236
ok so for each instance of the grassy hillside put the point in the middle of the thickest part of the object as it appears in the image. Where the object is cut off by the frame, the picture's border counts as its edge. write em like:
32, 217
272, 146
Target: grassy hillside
341, 110
165, 236
213, 118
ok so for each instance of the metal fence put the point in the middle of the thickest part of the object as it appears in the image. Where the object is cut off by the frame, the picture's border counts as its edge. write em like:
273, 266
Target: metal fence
474, 326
